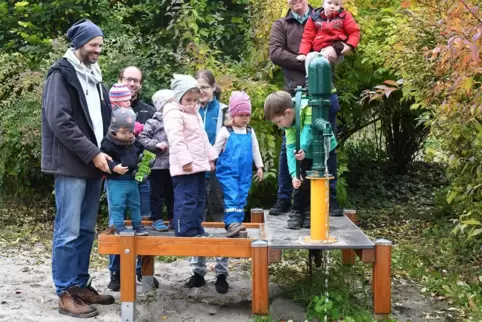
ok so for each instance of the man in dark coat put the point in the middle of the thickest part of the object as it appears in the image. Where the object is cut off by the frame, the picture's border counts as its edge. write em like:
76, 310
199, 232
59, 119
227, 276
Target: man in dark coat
75, 117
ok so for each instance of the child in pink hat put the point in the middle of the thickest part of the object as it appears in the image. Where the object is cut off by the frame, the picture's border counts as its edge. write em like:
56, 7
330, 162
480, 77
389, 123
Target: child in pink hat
237, 147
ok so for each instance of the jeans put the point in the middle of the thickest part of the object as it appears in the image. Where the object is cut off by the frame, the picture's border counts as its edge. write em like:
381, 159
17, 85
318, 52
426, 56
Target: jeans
214, 198
77, 202
161, 188
144, 193
198, 265
285, 188
114, 260
189, 204
123, 195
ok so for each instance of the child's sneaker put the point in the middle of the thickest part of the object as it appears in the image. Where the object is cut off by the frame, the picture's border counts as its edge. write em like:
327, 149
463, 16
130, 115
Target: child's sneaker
124, 229
195, 281
295, 220
141, 231
234, 229
159, 225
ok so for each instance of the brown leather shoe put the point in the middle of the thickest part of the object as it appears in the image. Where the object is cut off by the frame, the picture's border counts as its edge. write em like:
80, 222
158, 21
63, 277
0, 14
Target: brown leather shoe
90, 296
72, 305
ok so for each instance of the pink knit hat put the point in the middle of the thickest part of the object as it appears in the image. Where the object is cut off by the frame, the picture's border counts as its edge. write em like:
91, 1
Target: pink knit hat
239, 104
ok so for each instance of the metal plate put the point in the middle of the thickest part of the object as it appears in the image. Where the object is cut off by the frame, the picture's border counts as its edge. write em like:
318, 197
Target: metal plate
347, 233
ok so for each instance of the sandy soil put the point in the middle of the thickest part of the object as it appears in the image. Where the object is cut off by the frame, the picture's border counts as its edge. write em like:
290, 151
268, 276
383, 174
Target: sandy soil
27, 294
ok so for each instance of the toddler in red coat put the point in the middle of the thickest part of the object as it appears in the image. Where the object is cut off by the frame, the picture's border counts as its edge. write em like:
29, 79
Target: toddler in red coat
331, 31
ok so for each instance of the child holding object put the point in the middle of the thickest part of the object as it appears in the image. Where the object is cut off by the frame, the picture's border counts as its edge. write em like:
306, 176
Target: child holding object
122, 191
190, 156
154, 138
237, 147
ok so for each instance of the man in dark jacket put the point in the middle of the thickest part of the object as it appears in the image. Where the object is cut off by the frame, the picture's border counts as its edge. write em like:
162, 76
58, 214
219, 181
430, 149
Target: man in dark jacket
284, 44
75, 117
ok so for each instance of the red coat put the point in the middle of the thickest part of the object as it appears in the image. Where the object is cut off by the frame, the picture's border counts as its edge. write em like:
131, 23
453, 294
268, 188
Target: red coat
322, 31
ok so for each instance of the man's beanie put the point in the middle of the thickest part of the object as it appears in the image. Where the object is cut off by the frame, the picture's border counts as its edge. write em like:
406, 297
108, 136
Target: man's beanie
82, 32
122, 118
239, 104
119, 93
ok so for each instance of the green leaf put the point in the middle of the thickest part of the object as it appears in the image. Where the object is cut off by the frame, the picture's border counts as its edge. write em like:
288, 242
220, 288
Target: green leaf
471, 222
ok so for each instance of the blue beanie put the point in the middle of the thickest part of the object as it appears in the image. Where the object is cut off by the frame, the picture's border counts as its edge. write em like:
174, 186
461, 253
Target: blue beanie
82, 31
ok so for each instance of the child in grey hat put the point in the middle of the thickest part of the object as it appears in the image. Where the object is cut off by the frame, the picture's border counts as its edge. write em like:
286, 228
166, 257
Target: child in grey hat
125, 150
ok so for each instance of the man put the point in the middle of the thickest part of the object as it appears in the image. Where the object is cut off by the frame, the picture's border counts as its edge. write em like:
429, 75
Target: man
75, 117
284, 44
132, 78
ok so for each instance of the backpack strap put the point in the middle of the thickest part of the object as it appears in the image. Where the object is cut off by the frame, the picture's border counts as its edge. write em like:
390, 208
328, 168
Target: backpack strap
229, 128
249, 130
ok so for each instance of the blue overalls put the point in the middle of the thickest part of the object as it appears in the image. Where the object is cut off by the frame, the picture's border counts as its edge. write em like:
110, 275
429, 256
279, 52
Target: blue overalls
234, 170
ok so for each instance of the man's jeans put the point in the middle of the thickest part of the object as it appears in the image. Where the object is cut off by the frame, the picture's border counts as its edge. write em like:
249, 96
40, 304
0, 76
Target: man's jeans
285, 188
77, 202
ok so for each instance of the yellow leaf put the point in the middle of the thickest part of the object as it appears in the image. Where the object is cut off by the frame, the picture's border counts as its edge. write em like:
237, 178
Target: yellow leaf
469, 81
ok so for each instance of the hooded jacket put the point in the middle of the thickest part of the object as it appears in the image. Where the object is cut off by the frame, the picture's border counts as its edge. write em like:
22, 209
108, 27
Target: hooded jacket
154, 133
69, 123
188, 142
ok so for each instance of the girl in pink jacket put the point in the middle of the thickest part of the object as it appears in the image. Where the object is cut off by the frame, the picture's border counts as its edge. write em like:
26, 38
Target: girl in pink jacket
190, 156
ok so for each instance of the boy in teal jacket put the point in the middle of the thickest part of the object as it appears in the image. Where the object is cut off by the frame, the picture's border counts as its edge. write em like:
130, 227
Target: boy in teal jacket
279, 108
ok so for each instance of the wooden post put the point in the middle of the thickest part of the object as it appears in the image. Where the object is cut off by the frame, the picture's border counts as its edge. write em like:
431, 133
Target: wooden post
382, 280
257, 215
348, 255
128, 275
147, 272
259, 267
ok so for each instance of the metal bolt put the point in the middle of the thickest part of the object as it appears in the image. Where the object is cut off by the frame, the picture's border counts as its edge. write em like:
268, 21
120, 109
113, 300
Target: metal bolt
127, 251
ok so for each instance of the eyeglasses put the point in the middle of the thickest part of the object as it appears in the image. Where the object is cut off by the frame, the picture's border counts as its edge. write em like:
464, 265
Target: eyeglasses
130, 79
205, 88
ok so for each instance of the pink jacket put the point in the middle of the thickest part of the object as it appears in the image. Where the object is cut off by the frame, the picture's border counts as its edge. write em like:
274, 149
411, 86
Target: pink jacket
188, 141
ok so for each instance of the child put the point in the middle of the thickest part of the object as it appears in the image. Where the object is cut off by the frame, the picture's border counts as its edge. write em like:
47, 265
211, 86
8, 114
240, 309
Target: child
154, 138
190, 156
238, 148
328, 26
120, 96
122, 191
212, 112
279, 109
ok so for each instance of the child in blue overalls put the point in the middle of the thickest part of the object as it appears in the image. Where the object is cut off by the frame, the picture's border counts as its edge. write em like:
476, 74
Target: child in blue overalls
237, 147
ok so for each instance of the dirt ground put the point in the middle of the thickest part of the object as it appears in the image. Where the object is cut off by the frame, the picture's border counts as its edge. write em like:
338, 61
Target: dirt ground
27, 294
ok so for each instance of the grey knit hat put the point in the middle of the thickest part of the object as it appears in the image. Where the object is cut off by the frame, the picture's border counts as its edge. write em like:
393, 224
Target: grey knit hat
181, 84
122, 118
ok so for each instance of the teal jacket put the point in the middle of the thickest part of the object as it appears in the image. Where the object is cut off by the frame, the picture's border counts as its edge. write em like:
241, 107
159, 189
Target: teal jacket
306, 138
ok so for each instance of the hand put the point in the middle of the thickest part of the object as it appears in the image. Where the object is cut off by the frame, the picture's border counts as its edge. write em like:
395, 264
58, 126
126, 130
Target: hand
300, 155
100, 162
187, 167
260, 174
120, 169
346, 49
212, 165
296, 183
301, 57
161, 146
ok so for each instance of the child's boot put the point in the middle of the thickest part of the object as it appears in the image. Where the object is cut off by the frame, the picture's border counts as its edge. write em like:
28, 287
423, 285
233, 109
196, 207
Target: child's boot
335, 210
295, 219
306, 220
234, 229
195, 281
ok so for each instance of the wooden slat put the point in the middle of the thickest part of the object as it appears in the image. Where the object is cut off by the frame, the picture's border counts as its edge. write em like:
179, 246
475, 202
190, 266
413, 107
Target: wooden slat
128, 269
